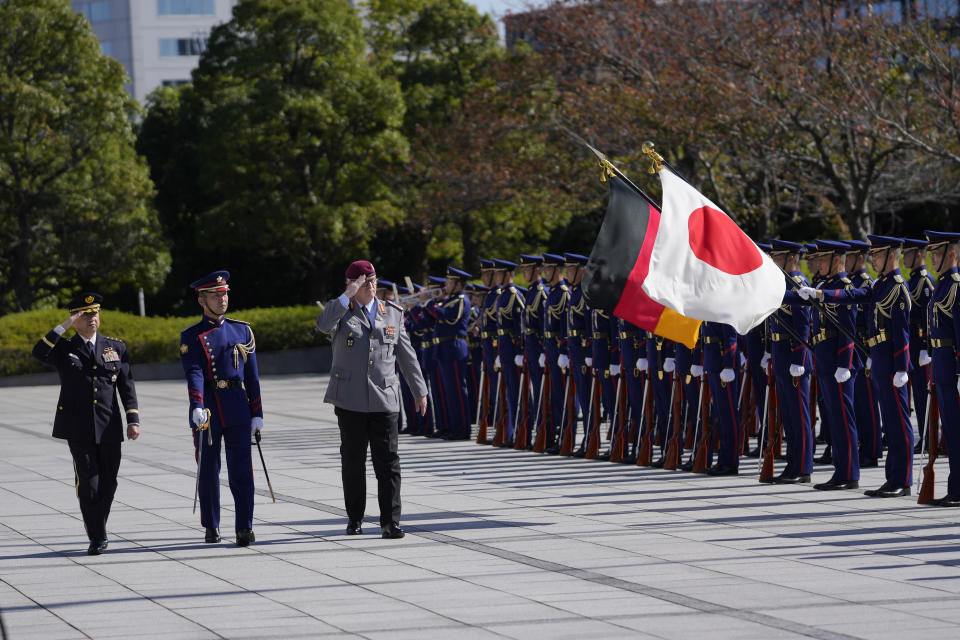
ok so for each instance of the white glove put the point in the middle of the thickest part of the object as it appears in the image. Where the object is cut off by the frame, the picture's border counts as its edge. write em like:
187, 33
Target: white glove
256, 424
496, 363
765, 361
869, 362
642, 364
797, 370
958, 383
743, 361
841, 374
900, 378
924, 358
198, 416
588, 362
696, 370
727, 375
614, 369
563, 361
669, 364
542, 361
807, 292
518, 360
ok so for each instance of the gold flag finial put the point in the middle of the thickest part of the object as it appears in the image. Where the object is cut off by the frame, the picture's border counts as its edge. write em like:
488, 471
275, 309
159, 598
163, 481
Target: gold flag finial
606, 169
656, 160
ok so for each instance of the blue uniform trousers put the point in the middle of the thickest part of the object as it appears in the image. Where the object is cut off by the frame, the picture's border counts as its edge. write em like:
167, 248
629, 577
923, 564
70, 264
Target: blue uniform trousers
949, 402
581, 380
723, 401
661, 406
793, 395
558, 383
897, 429
511, 382
868, 415
838, 401
918, 386
453, 378
239, 472
492, 379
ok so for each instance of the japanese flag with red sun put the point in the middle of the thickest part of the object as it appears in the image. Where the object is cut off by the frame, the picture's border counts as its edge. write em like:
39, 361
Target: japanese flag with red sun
703, 266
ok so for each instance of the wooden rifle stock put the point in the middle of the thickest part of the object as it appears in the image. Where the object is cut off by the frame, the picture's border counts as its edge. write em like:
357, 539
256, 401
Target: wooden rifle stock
498, 421
593, 440
773, 432
484, 408
620, 435
672, 458
570, 421
925, 495
706, 431
544, 417
645, 454
690, 429
522, 430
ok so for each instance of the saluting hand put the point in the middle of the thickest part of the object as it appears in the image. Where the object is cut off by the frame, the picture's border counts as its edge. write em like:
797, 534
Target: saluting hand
69, 322
353, 286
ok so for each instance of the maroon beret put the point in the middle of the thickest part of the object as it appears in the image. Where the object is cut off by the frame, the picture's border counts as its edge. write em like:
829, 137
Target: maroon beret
360, 268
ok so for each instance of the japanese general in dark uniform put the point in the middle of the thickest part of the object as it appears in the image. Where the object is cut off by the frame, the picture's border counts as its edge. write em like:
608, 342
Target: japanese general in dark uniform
94, 370
369, 339
219, 360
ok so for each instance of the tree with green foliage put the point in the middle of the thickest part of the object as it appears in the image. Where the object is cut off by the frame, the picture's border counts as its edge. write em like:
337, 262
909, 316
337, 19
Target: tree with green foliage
74, 197
286, 134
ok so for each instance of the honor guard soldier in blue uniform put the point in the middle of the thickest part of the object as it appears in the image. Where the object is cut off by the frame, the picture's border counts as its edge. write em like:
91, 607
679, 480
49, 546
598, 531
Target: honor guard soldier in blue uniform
720, 359
476, 294
534, 305
889, 342
632, 348
865, 403
219, 361
510, 342
489, 341
920, 286
811, 257
605, 362
93, 370
418, 327
792, 364
555, 343
450, 347
660, 365
432, 369
944, 337
833, 351
578, 340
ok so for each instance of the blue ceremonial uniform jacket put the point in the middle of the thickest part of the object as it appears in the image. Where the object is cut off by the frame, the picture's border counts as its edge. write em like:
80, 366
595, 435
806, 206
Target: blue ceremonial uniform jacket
831, 348
216, 358
450, 333
920, 286
555, 317
719, 346
510, 318
488, 322
533, 314
577, 320
87, 409
887, 306
784, 350
861, 280
604, 330
658, 350
943, 315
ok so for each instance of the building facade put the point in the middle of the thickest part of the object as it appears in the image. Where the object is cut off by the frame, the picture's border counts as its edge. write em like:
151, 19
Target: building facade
159, 42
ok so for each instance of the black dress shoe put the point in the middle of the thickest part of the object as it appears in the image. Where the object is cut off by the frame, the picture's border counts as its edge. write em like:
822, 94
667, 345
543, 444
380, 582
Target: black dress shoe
212, 535
354, 527
657, 464
434, 434
631, 459
245, 537
579, 453
949, 500
552, 451
785, 479
687, 466
868, 462
888, 490
392, 532
722, 470
96, 548
837, 485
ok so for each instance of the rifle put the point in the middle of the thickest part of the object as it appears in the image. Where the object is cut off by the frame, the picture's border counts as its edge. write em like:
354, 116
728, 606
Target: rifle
481, 393
645, 453
693, 433
592, 437
543, 410
773, 439
672, 457
620, 424
497, 422
932, 420
706, 431
636, 423
569, 413
521, 422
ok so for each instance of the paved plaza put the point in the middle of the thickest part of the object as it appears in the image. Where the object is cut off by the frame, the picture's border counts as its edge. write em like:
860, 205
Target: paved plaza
500, 544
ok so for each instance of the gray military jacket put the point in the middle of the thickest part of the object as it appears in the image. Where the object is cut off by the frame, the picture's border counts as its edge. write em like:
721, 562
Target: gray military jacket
364, 373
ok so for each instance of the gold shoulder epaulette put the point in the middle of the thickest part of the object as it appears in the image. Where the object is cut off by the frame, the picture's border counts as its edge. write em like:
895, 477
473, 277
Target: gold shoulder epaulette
846, 280
898, 278
955, 277
391, 303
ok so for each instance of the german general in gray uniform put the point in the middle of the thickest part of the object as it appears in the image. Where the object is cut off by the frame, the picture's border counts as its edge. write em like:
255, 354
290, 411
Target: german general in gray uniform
93, 370
369, 339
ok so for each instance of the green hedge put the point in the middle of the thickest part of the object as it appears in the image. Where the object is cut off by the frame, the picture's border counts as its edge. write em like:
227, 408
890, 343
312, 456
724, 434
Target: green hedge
153, 339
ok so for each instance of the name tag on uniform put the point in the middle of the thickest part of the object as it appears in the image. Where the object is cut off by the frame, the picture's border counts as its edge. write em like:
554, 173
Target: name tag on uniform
109, 355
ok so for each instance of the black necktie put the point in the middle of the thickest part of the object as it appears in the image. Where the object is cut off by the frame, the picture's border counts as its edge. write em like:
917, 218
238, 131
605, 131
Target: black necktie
90, 349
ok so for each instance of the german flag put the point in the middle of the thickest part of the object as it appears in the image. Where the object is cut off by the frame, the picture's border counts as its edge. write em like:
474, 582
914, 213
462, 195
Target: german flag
620, 262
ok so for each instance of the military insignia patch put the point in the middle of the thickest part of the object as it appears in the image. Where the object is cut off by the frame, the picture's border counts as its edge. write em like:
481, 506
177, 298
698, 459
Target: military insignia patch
184, 348
389, 331
109, 355
381, 307
350, 341
88, 299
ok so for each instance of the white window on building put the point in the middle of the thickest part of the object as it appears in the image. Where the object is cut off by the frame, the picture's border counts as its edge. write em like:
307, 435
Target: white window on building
95, 11
174, 47
174, 83
185, 8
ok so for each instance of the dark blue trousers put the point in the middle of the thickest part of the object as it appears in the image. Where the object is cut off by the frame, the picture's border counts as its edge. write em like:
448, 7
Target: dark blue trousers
239, 472
838, 406
793, 395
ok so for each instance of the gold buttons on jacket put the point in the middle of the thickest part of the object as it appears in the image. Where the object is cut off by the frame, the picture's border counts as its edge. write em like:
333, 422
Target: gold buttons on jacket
94, 401
95, 389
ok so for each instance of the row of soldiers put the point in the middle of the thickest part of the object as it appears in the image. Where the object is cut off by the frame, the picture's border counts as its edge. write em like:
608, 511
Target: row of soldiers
537, 368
